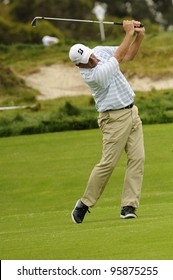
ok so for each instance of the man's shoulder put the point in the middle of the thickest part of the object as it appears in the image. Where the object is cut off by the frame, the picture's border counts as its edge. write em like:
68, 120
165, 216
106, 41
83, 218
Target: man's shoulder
100, 48
110, 50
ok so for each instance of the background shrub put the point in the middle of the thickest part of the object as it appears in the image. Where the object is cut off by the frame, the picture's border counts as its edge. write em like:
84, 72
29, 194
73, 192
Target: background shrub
12, 32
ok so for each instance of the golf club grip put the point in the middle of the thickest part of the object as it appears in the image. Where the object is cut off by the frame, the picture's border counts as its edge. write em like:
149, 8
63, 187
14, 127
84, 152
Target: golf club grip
121, 23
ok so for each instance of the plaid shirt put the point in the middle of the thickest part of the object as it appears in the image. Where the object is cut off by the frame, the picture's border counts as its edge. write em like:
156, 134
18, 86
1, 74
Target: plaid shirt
109, 87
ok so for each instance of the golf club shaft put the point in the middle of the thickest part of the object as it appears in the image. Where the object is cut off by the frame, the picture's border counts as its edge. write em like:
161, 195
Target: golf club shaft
77, 20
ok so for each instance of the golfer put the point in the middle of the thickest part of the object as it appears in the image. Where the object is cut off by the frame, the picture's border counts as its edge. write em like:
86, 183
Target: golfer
118, 119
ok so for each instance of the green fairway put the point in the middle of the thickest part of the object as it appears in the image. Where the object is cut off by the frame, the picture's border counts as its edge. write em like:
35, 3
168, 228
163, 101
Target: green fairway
42, 176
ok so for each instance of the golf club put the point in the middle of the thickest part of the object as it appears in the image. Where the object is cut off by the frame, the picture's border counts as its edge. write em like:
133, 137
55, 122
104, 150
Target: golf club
34, 22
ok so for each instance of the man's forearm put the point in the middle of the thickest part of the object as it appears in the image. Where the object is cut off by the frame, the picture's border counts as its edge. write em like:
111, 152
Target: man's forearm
124, 47
133, 49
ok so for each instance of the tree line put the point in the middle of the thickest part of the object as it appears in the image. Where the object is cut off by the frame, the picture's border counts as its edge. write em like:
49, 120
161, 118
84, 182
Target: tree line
157, 11
16, 17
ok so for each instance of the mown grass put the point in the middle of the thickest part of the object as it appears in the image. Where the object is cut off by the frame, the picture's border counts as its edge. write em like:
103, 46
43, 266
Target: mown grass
42, 176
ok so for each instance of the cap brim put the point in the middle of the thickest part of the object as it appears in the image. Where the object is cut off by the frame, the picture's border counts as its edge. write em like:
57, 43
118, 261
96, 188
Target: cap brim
86, 57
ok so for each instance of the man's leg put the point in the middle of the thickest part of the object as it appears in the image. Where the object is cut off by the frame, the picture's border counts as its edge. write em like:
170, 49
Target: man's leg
135, 164
116, 127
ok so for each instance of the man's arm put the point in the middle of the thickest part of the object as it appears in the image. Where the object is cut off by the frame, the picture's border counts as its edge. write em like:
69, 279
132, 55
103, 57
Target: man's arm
134, 47
126, 43
128, 48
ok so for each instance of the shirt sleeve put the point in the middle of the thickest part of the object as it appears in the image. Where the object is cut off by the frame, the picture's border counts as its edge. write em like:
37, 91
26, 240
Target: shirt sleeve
106, 49
104, 72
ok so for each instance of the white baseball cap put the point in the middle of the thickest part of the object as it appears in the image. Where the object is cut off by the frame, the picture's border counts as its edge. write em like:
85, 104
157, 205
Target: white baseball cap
79, 53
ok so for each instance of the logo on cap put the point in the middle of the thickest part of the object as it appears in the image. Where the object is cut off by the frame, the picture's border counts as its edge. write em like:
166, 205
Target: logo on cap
80, 51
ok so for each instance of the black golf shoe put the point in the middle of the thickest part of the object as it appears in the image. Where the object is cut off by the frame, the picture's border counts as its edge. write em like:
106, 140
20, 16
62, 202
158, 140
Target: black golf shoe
128, 212
79, 212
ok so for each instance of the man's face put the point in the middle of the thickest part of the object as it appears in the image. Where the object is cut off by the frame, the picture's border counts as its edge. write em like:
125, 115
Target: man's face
93, 61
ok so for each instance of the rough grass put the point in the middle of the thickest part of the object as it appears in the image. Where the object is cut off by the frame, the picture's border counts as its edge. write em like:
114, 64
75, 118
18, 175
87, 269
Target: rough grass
152, 59
155, 57
42, 176
77, 113
22, 59
155, 106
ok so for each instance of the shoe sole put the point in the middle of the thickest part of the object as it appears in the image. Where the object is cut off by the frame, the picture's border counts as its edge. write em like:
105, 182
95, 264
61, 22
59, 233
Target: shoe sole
128, 216
73, 219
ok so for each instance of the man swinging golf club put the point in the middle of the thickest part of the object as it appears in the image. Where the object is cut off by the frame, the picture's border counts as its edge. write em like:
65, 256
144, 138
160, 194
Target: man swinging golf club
118, 119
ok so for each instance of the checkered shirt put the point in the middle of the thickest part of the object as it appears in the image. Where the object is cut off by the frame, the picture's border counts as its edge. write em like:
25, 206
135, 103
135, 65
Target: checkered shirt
108, 85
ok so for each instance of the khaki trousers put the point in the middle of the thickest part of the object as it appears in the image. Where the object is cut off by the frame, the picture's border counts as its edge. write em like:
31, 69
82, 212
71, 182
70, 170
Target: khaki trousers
122, 130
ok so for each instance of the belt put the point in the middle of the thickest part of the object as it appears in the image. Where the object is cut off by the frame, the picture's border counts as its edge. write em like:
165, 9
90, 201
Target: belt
127, 107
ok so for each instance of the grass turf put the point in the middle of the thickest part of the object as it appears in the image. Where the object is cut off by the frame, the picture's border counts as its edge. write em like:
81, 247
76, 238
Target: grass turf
42, 176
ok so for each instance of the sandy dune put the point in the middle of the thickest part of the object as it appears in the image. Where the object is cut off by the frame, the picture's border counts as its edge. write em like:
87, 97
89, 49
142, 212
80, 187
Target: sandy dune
63, 80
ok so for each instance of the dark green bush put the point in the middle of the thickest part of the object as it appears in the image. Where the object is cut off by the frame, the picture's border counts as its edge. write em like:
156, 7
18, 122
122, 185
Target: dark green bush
154, 107
13, 90
69, 110
8, 78
19, 127
12, 32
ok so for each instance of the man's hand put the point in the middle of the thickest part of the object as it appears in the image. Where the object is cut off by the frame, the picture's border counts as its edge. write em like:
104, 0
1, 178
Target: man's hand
138, 29
129, 27
133, 26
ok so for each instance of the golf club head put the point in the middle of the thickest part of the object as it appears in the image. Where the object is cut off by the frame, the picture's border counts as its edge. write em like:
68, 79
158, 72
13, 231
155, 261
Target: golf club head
34, 22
